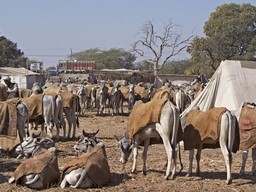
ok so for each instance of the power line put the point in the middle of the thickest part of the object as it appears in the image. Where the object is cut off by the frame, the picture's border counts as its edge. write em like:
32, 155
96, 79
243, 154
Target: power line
47, 55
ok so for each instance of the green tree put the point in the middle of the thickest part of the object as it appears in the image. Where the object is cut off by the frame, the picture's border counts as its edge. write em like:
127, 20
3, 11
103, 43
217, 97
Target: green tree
110, 59
175, 67
10, 55
230, 34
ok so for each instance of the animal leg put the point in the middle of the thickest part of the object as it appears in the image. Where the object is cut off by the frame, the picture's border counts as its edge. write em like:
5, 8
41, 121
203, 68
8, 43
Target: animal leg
170, 154
191, 157
144, 156
80, 180
36, 178
63, 183
68, 116
253, 162
224, 131
244, 158
74, 128
198, 157
135, 155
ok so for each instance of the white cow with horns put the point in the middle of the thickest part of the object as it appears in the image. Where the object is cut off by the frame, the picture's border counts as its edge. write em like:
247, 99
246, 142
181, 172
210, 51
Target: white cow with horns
155, 121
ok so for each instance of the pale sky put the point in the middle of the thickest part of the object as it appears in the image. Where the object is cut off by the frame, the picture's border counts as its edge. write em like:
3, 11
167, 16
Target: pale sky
47, 30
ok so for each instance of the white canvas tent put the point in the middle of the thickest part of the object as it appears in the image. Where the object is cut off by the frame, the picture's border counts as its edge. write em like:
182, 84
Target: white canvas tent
233, 83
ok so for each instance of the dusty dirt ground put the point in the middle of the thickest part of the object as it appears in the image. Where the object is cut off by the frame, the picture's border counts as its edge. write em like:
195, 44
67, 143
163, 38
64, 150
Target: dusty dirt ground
212, 177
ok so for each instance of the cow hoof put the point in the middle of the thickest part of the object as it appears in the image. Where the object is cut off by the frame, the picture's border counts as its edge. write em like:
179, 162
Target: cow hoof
188, 175
144, 172
229, 182
11, 180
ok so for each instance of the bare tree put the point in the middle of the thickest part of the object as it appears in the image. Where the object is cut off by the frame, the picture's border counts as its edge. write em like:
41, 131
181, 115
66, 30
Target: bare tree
163, 47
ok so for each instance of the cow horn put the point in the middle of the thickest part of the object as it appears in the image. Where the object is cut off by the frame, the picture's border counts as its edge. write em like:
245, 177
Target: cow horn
116, 138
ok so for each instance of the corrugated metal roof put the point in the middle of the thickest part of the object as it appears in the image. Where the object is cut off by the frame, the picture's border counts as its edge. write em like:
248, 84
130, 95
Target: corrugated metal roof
16, 71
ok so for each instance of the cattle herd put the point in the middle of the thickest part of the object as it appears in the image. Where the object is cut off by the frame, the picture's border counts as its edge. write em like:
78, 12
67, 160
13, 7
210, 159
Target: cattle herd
154, 118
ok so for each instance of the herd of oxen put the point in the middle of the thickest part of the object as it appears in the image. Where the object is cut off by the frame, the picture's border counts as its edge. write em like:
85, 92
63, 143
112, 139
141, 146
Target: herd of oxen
154, 117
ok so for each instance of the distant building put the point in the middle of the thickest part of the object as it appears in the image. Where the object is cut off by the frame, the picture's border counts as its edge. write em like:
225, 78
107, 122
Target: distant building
73, 66
36, 67
24, 77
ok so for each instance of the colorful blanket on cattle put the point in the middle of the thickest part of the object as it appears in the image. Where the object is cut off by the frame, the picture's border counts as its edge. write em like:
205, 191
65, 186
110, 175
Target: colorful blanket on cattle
45, 163
247, 126
95, 163
143, 114
35, 105
202, 127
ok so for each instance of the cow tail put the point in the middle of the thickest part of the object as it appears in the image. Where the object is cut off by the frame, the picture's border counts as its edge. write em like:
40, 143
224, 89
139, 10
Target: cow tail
230, 127
77, 110
53, 109
175, 126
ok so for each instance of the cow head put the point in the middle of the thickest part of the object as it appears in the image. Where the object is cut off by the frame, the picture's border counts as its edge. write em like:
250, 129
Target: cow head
125, 146
87, 142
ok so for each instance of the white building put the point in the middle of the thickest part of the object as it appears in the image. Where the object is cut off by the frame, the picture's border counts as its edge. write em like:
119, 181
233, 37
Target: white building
24, 77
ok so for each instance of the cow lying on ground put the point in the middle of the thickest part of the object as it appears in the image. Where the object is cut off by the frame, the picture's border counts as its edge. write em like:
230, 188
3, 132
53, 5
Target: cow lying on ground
216, 128
38, 172
33, 145
150, 123
88, 170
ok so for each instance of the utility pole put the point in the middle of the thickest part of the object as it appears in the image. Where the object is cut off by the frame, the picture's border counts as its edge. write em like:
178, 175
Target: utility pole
71, 54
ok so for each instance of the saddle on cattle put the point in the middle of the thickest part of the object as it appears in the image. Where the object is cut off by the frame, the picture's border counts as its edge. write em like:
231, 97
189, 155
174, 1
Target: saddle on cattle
247, 126
95, 163
202, 126
68, 99
8, 126
143, 114
35, 105
8, 116
44, 163
163, 93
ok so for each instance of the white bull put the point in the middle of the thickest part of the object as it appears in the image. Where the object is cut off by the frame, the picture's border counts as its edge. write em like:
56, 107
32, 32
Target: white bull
83, 98
195, 126
166, 129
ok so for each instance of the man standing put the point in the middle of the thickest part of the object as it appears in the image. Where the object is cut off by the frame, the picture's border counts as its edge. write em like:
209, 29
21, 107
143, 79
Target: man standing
13, 90
3, 91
